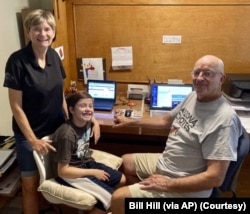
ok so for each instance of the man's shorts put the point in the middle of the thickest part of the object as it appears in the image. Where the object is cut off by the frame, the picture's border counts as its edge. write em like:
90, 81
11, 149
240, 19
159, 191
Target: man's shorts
145, 165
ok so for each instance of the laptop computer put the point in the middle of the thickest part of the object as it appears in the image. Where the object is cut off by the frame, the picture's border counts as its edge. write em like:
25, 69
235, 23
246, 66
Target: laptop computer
103, 93
165, 97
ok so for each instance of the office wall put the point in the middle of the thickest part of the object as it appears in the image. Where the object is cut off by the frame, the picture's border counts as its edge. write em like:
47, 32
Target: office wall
214, 27
11, 39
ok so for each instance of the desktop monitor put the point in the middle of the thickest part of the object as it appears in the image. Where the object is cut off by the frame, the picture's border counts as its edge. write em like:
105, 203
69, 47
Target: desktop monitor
168, 96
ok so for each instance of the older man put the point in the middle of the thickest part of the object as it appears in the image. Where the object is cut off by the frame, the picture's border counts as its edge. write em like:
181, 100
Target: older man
204, 132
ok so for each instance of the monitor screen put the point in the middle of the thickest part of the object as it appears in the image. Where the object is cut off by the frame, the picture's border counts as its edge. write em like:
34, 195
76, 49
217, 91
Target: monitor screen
168, 96
102, 89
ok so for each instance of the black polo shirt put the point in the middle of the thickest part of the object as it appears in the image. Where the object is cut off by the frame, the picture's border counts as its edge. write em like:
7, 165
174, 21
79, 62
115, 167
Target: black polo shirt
42, 89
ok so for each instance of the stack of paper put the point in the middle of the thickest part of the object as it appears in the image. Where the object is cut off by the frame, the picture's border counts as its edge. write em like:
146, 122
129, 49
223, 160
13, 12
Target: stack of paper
242, 108
9, 184
245, 119
238, 104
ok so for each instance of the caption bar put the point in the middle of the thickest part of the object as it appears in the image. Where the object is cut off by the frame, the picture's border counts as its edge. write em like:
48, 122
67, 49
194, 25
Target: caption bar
175, 205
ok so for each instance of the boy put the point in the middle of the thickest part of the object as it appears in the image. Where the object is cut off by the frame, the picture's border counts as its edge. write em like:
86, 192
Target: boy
75, 167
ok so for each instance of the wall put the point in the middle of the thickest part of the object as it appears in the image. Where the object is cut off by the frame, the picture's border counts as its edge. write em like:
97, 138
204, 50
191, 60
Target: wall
12, 39
220, 28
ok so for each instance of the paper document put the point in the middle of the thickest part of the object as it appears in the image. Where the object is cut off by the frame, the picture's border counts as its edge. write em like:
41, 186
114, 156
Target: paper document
93, 69
8, 163
11, 181
238, 104
245, 119
122, 58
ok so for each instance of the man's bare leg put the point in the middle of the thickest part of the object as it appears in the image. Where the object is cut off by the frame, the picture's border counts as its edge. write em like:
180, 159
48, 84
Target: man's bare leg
128, 168
118, 200
97, 211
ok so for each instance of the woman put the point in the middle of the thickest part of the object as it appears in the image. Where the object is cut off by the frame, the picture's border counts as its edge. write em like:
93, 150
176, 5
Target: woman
34, 77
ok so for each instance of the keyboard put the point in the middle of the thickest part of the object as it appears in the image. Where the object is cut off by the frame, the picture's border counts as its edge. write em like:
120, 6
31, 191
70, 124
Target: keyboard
103, 105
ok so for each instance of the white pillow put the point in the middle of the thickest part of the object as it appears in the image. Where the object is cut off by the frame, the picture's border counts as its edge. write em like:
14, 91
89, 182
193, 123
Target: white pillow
59, 194
106, 158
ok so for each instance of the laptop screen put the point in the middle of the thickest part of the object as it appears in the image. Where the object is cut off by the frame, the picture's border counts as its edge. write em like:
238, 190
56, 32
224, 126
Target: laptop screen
103, 89
168, 96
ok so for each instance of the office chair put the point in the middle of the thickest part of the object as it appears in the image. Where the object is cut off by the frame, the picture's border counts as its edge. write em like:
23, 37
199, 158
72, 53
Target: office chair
56, 193
231, 178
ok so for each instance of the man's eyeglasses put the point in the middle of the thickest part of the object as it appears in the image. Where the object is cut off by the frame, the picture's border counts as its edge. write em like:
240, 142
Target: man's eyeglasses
205, 74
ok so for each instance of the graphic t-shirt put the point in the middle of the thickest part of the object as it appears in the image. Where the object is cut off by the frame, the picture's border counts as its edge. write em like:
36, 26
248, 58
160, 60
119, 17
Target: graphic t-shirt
72, 144
200, 132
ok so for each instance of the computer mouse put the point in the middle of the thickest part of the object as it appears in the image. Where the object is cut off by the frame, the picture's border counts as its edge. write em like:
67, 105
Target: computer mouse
128, 113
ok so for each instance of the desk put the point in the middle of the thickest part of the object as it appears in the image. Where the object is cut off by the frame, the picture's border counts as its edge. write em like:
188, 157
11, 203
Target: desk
128, 139
136, 139
106, 121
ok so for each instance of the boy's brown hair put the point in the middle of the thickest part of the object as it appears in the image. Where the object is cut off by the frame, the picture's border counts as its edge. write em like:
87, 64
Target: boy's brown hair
74, 98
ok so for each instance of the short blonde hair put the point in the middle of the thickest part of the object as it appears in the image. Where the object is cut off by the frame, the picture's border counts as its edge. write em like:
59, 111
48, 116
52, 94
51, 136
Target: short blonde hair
37, 17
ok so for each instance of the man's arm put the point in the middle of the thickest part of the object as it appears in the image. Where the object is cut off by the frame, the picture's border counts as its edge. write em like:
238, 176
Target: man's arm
66, 171
160, 122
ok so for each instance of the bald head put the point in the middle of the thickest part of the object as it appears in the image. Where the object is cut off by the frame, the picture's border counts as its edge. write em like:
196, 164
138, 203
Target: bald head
208, 77
212, 61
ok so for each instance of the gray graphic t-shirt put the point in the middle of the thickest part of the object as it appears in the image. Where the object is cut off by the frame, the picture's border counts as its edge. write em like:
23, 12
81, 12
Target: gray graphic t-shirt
200, 131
